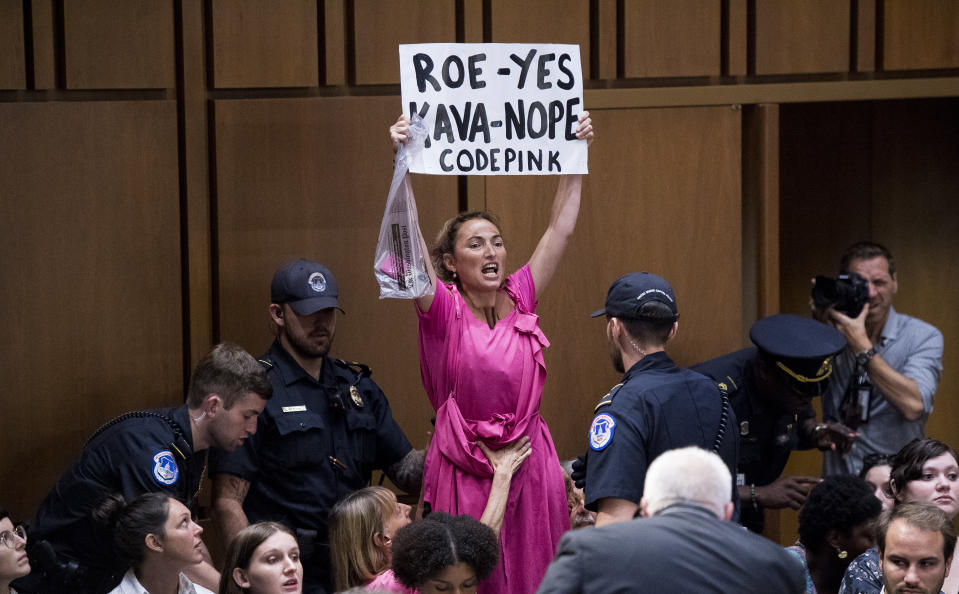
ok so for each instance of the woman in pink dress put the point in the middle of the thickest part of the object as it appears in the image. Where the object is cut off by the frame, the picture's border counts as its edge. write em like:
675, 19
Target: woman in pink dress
481, 358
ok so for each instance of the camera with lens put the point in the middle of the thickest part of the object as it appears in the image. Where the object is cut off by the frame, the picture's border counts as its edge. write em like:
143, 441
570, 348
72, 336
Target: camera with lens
847, 293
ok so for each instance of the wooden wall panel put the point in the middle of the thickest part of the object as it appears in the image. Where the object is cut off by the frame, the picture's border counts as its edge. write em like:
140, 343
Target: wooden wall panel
265, 44
44, 62
670, 205
915, 212
89, 229
607, 31
920, 34
116, 44
381, 26
542, 21
666, 38
195, 174
802, 36
335, 47
881, 171
12, 72
866, 37
760, 214
291, 184
738, 28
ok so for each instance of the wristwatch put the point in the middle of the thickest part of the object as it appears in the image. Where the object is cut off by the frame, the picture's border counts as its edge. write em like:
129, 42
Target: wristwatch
862, 359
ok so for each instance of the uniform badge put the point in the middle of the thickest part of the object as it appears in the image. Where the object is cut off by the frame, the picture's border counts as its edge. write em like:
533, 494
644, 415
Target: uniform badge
744, 428
601, 431
317, 282
355, 397
165, 470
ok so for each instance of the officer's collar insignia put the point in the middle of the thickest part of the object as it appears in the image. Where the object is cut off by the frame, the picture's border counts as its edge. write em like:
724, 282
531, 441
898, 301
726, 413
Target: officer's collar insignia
165, 470
825, 369
744, 428
601, 431
355, 397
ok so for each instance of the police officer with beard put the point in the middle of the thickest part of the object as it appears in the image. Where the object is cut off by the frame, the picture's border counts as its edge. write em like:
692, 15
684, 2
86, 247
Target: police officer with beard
326, 429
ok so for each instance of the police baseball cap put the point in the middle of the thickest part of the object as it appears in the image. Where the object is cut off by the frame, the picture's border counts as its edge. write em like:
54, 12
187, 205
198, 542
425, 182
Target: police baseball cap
306, 286
630, 292
801, 348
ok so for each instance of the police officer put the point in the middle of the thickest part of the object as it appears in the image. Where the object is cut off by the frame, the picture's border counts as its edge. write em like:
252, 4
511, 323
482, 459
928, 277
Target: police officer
160, 450
326, 429
656, 407
771, 387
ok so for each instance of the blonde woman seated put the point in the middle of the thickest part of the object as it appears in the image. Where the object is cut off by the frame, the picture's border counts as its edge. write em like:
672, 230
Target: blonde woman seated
364, 523
13, 553
263, 558
156, 535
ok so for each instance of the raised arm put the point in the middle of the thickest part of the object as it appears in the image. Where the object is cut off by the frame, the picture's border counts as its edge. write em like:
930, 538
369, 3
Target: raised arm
400, 134
505, 462
562, 220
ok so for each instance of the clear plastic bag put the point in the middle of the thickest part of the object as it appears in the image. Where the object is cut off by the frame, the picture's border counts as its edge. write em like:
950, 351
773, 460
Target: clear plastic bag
400, 264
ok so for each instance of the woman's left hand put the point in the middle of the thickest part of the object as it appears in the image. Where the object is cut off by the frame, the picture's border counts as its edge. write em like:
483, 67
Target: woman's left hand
584, 131
510, 458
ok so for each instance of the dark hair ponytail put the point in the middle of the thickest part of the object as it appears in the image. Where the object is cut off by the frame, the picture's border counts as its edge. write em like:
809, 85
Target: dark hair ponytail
131, 523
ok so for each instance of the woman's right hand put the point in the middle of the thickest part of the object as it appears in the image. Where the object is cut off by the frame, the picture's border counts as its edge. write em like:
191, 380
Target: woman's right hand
507, 460
400, 132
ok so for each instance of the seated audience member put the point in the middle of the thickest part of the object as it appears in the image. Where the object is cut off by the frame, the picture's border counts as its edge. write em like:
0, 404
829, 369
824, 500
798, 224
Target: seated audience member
13, 553
684, 541
151, 451
579, 516
835, 526
875, 471
916, 545
154, 535
443, 553
923, 470
262, 558
362, 527
364, 523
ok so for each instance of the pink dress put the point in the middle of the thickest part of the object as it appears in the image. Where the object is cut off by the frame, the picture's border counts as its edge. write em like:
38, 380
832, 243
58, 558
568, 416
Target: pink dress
487, 384
387, 581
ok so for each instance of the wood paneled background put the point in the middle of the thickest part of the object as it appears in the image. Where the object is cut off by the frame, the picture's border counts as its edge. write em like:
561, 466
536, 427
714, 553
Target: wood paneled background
159, 159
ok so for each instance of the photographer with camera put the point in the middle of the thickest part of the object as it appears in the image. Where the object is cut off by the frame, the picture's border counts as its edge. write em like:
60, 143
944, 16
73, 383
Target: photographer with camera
885, 379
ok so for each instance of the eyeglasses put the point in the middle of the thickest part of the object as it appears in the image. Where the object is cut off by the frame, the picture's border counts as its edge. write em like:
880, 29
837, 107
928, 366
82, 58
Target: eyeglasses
7, 537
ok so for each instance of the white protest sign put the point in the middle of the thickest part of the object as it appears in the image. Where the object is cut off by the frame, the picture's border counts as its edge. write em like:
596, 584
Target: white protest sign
495, 108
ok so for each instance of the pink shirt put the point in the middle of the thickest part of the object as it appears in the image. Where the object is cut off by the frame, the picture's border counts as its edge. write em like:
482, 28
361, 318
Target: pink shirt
387, 581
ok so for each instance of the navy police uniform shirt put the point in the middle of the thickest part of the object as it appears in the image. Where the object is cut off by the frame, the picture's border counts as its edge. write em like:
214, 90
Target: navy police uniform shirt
140, 454
316, 441
766, 434
657, 407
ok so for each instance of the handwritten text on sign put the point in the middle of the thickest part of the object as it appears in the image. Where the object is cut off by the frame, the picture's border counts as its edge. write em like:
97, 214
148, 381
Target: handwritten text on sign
494, 108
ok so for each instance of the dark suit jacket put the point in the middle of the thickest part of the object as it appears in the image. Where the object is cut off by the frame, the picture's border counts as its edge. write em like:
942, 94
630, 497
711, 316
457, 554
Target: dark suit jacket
684, 548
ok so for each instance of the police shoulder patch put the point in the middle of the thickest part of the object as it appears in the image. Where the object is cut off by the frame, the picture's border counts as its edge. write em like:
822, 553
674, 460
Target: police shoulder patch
601, 431
165, 470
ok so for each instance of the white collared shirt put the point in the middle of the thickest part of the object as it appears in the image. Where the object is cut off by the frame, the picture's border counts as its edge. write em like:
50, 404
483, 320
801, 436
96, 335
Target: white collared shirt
131, 585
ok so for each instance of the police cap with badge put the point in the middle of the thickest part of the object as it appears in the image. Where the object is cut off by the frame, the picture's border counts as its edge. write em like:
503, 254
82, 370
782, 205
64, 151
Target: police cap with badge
306, 286
801, 349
